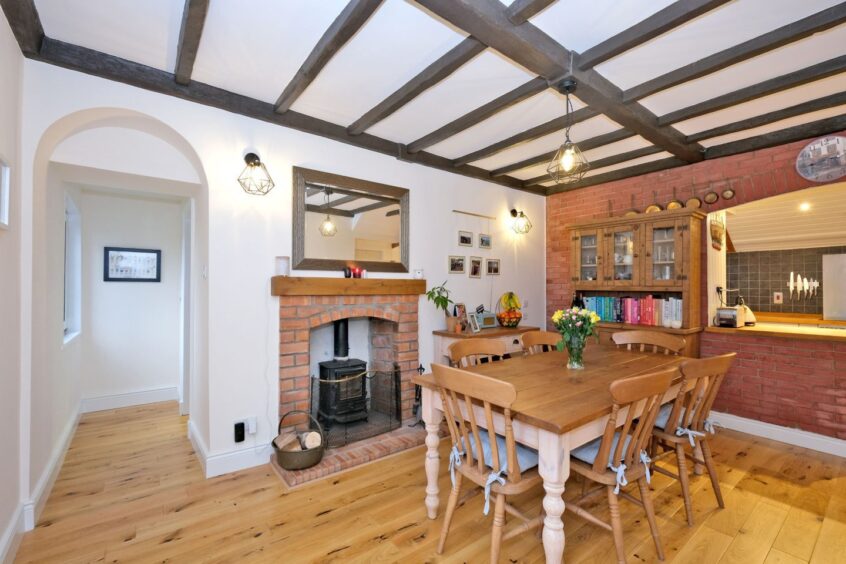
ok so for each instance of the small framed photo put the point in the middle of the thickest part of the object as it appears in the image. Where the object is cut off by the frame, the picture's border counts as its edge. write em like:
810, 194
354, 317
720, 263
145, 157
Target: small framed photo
474, 323
461, 312
456, 264
485, 241
121, 264
465, 238
475, 267
492, 267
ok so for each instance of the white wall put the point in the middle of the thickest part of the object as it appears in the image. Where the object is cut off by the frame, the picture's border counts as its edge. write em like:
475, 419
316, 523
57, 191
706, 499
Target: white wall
11, 62
130, 334
245, 233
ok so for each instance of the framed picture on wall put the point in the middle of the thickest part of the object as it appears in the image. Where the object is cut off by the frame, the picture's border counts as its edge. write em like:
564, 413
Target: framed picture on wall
122, 264
475, 267
485, 241
456, 264
492, 267
465, 238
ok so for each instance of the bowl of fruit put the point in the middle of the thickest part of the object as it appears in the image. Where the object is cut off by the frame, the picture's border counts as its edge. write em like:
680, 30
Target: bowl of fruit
508, 310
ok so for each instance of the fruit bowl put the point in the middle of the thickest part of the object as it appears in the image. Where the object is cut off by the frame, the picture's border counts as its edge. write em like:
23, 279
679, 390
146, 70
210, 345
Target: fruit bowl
509, 318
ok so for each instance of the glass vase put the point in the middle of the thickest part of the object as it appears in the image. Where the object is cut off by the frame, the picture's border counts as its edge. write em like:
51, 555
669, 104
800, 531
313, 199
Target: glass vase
575, 350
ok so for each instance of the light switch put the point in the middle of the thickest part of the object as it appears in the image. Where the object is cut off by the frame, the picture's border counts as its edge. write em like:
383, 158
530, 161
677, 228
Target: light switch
778, 297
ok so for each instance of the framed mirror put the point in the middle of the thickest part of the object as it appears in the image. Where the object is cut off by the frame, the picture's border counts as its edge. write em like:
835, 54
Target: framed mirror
342, 221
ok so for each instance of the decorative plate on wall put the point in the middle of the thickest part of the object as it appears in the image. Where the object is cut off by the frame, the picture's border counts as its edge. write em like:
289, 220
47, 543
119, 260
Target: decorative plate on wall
728, 194
693, 203
675, 203
652, 208
711, 197
823, 160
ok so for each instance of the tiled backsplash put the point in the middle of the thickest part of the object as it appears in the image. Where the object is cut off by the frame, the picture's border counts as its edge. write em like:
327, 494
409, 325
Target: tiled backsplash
759, 274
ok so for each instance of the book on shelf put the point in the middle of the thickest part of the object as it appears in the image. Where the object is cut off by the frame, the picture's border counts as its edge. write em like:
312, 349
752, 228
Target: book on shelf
644, 310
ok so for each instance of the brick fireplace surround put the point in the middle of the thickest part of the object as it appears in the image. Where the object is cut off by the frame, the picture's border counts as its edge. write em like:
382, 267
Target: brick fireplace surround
393, 337
780, 380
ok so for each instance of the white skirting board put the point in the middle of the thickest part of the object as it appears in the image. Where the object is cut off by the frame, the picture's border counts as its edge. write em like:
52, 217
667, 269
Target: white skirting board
795, 437
10, 537
225, 462
129, 399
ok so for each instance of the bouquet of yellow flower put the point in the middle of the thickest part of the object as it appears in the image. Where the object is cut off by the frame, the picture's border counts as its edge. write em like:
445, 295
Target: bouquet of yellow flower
575, 326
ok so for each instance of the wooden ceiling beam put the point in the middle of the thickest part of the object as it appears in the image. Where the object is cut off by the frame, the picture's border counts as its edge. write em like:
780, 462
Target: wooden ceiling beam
454, 59
784, 35
25, 23
837, 99
340, 201
328, 211
553, 125
522, 92
348, 22
521, 10
607, 161
586, 145
660, 22
372, 207
109, 67
526, 45
782, 136
765, 88
619, 174
193, 21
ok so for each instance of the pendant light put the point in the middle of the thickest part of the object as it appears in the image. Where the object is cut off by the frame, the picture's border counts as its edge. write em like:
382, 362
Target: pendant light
569, 163
327, 228
255, 179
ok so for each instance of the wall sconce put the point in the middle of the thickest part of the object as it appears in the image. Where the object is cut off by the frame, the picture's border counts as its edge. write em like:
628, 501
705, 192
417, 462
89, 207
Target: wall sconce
255, 178
521, 224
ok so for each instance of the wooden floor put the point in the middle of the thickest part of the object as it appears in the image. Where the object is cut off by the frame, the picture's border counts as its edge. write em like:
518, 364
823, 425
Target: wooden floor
131, 490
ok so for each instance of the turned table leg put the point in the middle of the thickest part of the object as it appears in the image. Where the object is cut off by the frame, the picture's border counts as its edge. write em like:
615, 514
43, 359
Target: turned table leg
554, 468
433, 417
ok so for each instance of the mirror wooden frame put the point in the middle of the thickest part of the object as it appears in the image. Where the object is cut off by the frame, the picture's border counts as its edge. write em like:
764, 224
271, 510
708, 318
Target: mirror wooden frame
304, 177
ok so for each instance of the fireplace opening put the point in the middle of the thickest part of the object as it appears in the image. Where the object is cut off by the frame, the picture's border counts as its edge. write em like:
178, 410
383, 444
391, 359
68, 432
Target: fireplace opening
351, 400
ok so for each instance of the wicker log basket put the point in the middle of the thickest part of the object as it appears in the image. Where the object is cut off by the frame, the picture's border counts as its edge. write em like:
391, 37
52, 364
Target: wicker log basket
300, 458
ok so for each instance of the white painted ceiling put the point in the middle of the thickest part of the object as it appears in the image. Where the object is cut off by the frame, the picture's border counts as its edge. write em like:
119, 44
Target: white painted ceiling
254, 48
777, 223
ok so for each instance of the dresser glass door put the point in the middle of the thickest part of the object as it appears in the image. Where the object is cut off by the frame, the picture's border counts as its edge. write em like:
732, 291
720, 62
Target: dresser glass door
624, 255
663, 254
588, 256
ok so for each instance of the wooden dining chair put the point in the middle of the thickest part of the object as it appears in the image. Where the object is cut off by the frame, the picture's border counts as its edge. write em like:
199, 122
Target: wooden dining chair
470, 352
619, 455
494, 463
649, 341
685, 422
535, 342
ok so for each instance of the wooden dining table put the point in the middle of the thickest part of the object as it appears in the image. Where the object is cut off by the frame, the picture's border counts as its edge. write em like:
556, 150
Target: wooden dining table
556, 410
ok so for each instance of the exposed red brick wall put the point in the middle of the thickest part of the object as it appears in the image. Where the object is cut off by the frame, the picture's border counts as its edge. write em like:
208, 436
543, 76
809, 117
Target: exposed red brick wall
299, 314
753, 176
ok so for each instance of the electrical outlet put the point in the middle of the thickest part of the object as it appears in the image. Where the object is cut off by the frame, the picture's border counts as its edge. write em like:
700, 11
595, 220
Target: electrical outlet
778, 297
252, 423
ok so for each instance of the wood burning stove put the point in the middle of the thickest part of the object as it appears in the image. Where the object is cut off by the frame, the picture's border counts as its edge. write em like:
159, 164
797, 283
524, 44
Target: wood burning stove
343, 385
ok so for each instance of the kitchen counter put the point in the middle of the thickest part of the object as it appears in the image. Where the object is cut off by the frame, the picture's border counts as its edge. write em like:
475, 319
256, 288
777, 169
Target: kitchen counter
785, 330
797, 319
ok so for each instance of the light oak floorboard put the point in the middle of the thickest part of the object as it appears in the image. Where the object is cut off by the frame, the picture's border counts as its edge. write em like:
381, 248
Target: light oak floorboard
132, 490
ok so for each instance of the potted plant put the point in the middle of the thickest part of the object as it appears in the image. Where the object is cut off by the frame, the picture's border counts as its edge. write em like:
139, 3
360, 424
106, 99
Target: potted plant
575, 326
439, 295
510, 315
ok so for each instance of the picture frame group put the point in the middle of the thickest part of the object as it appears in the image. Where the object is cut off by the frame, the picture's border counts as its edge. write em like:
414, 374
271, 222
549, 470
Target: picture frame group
484, 240
473, 266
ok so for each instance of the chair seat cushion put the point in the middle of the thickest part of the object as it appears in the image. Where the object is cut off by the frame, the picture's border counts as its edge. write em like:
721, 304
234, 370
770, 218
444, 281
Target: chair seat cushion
663, 415
527, 457
588, 452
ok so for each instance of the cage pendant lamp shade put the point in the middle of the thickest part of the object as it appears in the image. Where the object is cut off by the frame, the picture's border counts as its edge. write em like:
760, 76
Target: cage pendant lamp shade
520, 223
327, 227
568, 165
255, 179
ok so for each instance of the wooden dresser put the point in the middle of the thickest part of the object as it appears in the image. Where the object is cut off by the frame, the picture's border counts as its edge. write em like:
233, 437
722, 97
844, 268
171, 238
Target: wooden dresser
511, 338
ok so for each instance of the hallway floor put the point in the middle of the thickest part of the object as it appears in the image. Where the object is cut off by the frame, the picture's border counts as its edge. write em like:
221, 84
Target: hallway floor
131, 490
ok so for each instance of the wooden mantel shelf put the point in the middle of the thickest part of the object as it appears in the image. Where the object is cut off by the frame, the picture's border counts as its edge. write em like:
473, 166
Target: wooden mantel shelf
315, 286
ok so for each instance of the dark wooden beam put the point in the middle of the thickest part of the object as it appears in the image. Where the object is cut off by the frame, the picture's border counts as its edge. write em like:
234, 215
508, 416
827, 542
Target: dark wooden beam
340, 201
346, 192
25, 23
619, 174
780, 137
522, 92
553, 125
193, 20
586, 145
823, 103
328, 211
392, 213
526, 45
771, 86
657, 24
348, 22
521, 10
109, 67
372, 207
602, 163
431, 75
784, 35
